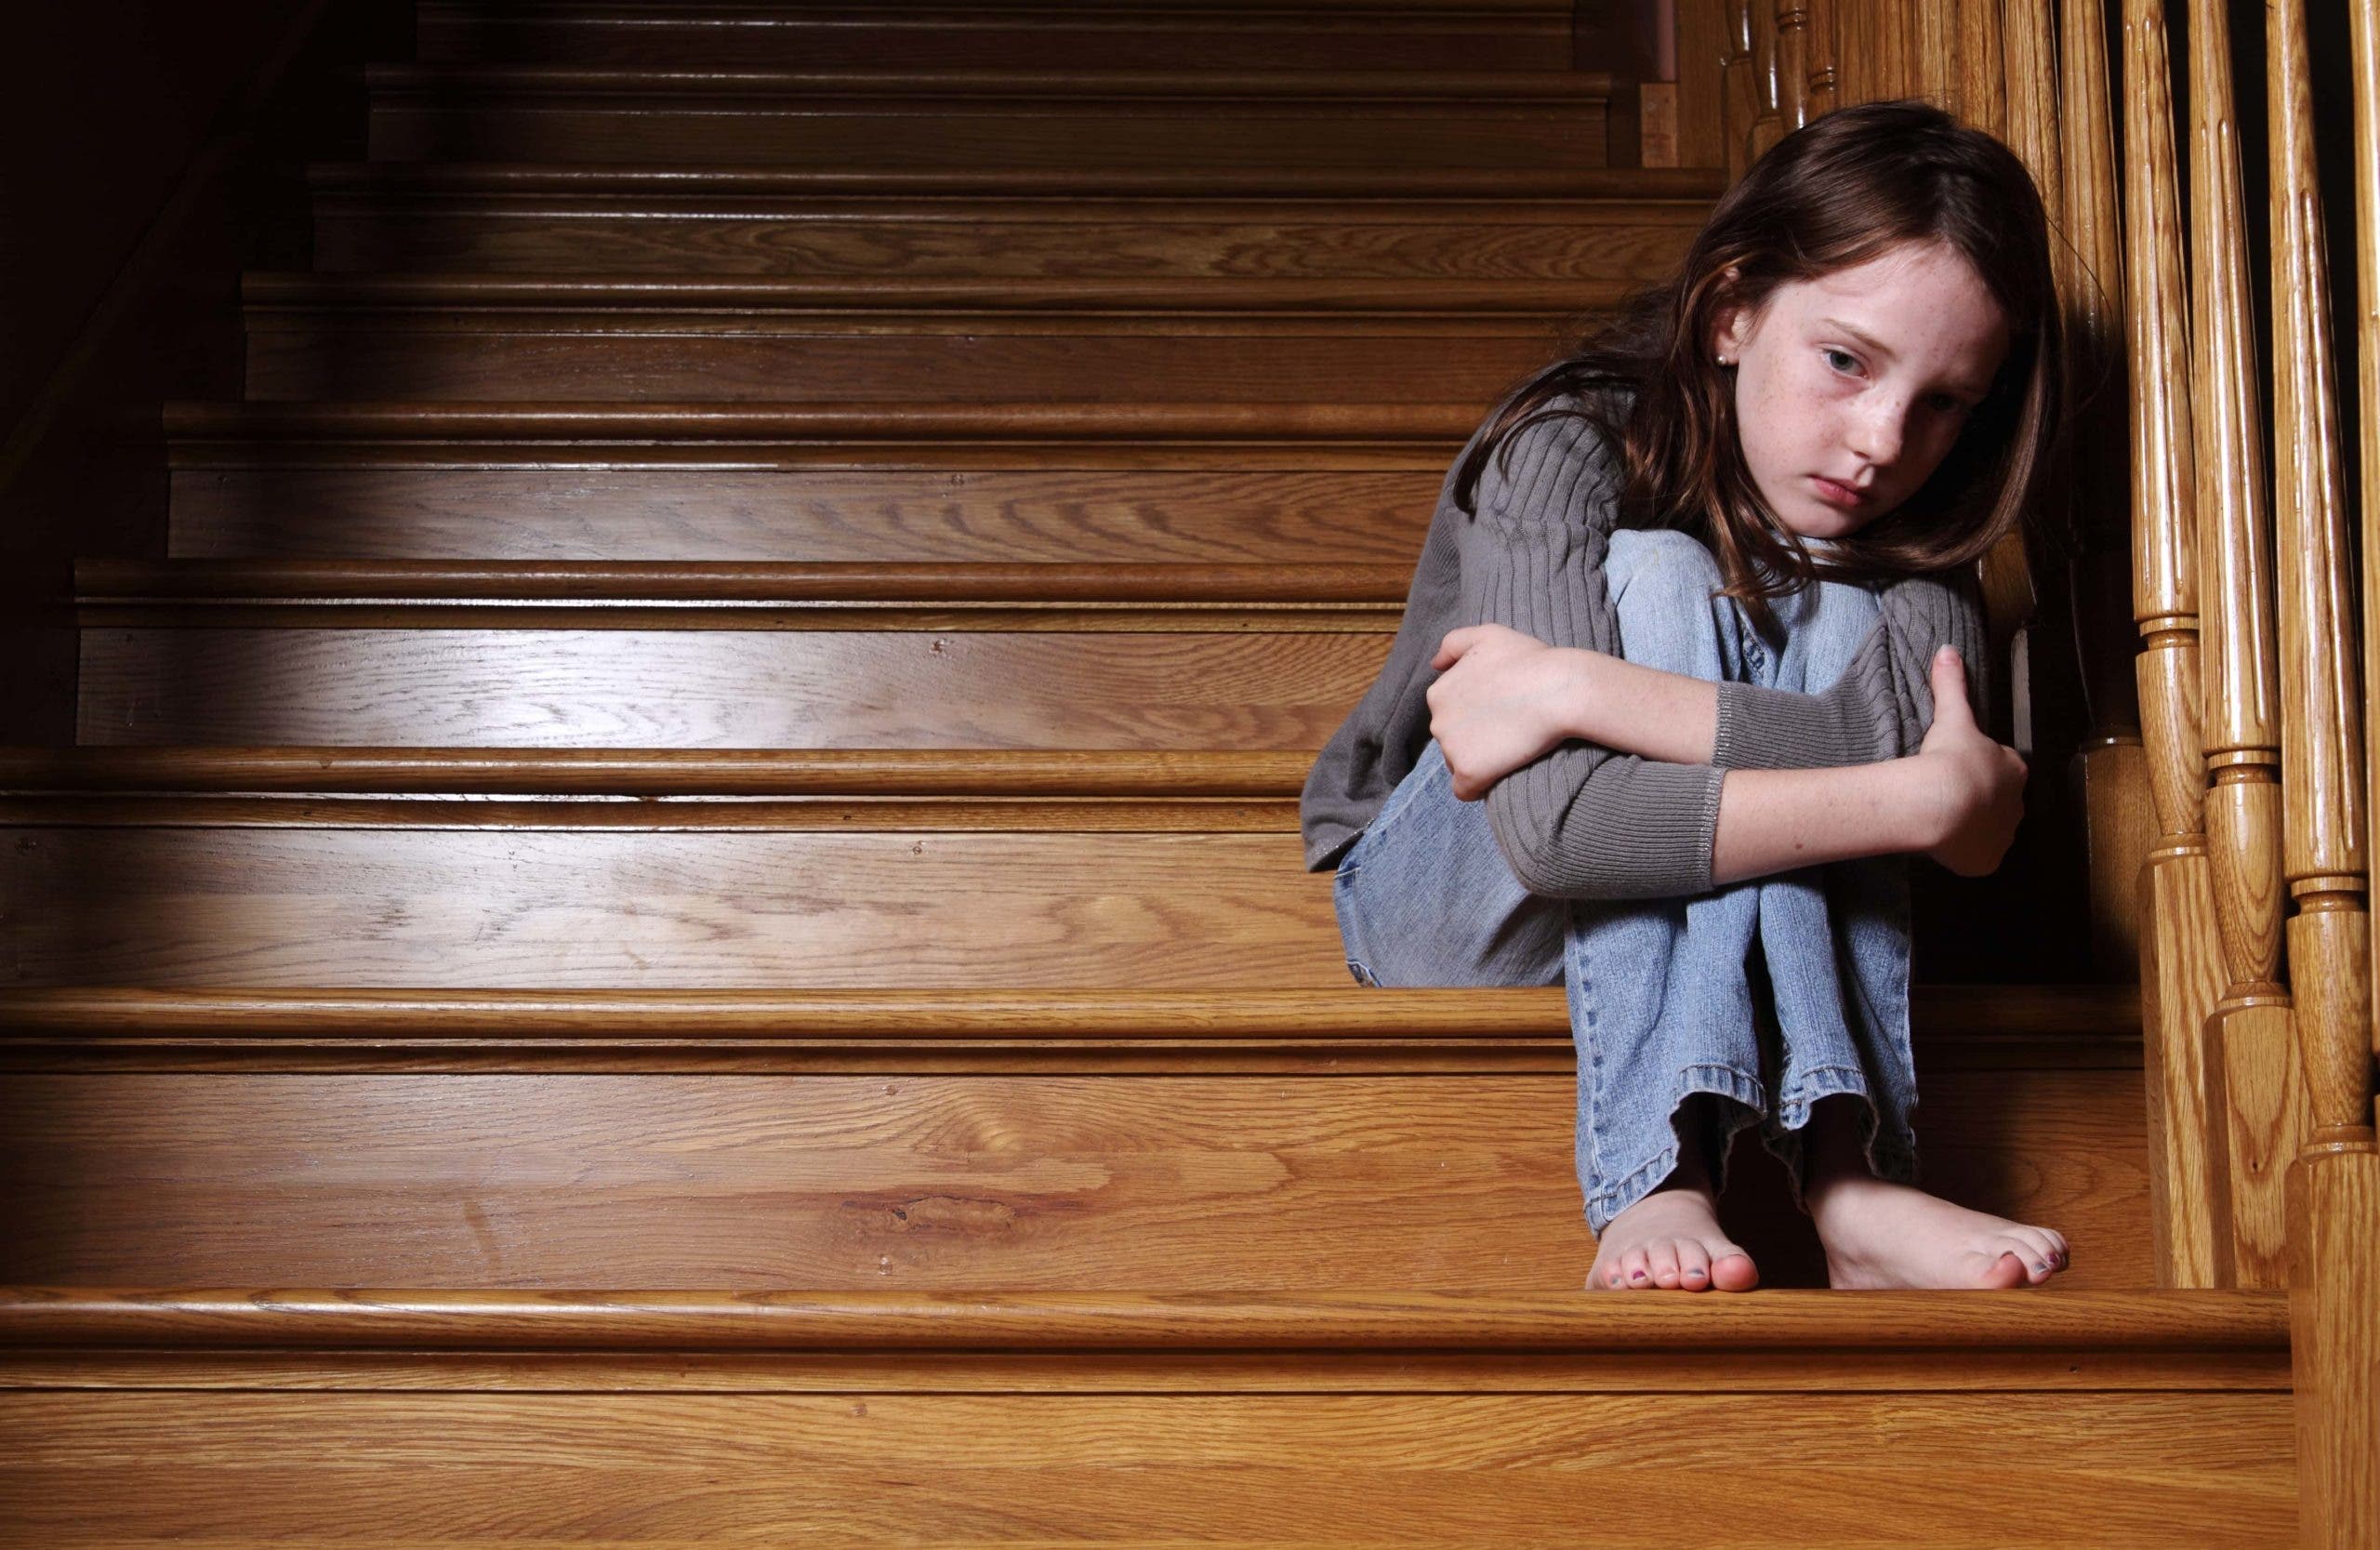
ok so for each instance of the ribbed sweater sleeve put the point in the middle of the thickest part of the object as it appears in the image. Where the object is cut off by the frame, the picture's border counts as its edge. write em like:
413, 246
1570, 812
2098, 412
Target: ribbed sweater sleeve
1582, 821
1883, 704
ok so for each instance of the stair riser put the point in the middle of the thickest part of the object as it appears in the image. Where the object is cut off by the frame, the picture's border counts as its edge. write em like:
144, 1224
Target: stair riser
290, 360
1049, 40
724, 688
537, 238
1538, 148
846, 1465
184, 906
1024, 1182
1092, 516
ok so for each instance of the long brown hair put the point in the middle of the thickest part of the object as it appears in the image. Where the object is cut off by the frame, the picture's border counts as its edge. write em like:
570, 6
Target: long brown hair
1845, 188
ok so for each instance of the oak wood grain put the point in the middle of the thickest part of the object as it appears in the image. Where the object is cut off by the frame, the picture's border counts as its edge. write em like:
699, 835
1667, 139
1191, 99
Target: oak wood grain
1085, 515
1525, 130
1061, 686
938, 360
1090, 37
404, 217
1021, 1181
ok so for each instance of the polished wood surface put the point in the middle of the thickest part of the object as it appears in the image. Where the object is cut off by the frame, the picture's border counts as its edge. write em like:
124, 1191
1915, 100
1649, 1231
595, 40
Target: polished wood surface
1110, 679
1260, 1469
401, 218
2135, 1323
2335, 1186
2239, 725
2121, 815
1045, 1171
683, 355
258, 501
1276, 131
1512, 35
2181, 976
2325, 852
195, 905
977, 773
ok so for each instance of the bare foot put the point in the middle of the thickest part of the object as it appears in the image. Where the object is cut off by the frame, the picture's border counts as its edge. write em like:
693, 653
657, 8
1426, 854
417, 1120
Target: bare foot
1880, 1234
1671, 1240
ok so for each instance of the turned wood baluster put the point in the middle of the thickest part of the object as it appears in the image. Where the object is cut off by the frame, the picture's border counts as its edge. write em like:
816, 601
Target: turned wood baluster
2324, 854
2123, 826
1768, 124
2031, 49
1819, 41
1982, 80
1738, 101
2333, 1195
2181, 969
1793, 64
2249, 1041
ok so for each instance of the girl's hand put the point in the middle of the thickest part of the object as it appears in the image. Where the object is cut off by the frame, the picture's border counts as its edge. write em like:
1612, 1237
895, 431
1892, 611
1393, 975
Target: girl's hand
1974, 788
1499, 703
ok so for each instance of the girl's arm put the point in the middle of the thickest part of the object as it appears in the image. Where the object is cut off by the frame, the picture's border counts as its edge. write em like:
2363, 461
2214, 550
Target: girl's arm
1503, 699
1957, 800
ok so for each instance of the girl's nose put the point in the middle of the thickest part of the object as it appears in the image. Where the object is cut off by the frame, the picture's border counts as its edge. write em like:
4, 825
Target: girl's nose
1876, 433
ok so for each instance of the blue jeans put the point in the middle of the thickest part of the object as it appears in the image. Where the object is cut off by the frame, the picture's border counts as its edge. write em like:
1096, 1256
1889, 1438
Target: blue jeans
1668, 998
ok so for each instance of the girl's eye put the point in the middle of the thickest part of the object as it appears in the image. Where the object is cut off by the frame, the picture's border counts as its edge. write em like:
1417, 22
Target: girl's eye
1843, 356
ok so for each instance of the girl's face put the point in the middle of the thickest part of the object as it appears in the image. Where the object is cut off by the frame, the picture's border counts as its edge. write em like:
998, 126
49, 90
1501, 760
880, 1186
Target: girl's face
1850, 389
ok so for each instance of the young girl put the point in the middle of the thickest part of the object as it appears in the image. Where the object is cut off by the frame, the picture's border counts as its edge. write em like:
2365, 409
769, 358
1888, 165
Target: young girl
1692, 618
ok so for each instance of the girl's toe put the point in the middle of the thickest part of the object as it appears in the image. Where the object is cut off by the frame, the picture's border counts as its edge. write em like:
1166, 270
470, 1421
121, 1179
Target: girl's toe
1661, 1259
1693, 1267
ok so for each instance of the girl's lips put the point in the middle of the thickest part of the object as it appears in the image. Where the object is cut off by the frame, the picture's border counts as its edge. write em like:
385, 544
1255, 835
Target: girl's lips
1837, 495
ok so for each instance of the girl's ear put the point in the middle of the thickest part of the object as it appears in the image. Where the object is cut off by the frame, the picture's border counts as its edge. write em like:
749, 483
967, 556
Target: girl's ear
1729, 321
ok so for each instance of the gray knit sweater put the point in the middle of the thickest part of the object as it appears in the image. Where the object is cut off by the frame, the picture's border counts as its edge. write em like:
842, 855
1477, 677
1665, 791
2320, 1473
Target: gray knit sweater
1583, 822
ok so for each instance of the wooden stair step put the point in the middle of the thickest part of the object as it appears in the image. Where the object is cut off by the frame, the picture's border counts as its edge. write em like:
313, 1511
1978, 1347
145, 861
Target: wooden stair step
1114, 1418
312, 891
396, 217
1219, 132
509, 337
1510, 35
601, 654
978, 1137
1110, 483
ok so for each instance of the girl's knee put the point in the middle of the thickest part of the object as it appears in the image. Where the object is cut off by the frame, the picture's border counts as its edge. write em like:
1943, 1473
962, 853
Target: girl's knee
1832, 633
1658, 566
1661, 585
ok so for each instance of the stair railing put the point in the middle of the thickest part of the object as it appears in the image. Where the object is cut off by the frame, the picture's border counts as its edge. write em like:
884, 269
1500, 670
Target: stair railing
2253, 742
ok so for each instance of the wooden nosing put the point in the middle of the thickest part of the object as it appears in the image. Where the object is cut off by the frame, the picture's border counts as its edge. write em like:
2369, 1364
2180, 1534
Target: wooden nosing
1468, 90
2102, 1322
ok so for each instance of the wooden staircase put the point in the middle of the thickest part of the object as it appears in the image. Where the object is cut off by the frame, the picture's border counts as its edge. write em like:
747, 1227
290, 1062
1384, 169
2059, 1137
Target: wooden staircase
678, 919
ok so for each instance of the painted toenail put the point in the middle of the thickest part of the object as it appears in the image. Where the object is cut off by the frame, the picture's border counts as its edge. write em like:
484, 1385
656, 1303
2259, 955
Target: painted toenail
1694, 1275
1636, 1275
